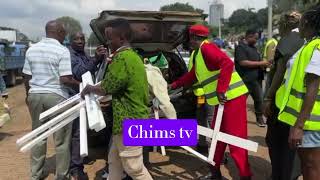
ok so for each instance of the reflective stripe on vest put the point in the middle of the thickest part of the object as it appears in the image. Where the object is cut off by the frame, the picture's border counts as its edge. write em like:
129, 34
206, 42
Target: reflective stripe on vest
209, 81
270, 41
196, 87
289, 99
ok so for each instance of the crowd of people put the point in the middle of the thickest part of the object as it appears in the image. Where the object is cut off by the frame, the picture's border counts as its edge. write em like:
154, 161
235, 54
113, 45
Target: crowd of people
288, 106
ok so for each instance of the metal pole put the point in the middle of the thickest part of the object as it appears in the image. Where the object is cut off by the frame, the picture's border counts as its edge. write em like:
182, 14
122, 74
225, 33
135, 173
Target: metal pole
219, 28
270, 19
219, 25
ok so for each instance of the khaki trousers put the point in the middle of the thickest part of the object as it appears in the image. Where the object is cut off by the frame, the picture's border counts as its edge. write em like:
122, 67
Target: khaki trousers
38, 103
126, 158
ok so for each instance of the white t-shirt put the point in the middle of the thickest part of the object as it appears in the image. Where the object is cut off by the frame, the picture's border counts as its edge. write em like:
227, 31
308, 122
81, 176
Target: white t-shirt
312, 68
314, 65
46, 62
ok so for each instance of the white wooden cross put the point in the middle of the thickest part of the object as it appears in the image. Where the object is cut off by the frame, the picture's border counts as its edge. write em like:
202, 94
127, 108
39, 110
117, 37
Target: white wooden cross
216, 135
163, 150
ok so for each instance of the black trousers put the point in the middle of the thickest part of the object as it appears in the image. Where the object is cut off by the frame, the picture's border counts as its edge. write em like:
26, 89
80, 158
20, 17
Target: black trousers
255, 91
204, 115
76, 163
284, 160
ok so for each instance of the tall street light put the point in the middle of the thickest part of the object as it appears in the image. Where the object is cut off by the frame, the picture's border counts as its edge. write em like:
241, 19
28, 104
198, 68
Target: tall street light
270, 19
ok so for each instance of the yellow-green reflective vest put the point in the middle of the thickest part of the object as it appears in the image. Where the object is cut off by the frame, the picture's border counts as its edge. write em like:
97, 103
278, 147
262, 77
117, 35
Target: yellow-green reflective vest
209, 81
197, 89
269, 42
289, 98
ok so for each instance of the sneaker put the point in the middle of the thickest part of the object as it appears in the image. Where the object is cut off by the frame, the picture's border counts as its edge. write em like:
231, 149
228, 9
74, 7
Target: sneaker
5, 95
213, 175
260, 122
105, 174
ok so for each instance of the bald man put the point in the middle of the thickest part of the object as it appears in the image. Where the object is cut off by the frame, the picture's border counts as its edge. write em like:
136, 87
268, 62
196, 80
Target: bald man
47, 72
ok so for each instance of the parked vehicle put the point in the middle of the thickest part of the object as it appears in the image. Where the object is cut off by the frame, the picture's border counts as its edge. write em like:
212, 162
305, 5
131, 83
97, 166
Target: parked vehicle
158, 32
12, 58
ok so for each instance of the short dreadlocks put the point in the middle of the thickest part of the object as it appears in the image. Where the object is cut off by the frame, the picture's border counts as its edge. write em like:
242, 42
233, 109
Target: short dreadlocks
312, 19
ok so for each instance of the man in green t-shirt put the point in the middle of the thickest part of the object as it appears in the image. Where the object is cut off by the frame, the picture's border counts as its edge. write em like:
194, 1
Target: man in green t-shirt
126, 81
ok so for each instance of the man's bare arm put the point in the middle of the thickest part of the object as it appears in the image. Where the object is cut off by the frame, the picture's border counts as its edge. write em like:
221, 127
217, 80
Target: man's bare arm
278, 77
69, 81
26, 80
254, 64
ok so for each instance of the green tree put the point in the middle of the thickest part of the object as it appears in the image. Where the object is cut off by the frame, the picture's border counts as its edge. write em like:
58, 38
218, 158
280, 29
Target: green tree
286, 5
71, 25
262, 17
185, 7
243, 19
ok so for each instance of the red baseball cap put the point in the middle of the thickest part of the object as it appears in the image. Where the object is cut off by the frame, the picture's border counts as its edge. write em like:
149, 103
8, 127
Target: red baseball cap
199, 30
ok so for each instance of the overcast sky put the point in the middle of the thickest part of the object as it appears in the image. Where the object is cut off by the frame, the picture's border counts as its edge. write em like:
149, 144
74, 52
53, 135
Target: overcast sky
30, 16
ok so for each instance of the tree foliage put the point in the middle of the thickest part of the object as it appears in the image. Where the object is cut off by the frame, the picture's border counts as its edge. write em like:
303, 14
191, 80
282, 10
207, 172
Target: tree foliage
71, 25
184, 7
243, 19
287, 5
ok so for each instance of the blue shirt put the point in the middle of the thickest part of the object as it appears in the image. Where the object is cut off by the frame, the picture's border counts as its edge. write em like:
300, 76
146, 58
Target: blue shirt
80, 64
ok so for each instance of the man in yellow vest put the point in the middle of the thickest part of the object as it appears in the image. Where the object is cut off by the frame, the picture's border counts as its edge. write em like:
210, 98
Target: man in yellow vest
268, 55
214, 72
269, 49
204, 111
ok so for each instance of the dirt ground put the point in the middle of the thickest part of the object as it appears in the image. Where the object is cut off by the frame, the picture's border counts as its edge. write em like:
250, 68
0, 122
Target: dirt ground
176, 165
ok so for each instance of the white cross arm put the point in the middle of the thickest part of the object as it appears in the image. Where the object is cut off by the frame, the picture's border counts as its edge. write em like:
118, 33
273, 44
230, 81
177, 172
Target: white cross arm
66, 112
163, 149
49, 124
199, 155
59, 108
68, 103
229, 139
46, 134
83, 129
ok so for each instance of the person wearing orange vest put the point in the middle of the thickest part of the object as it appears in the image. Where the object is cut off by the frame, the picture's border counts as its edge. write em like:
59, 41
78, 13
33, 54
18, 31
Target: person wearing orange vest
214, 71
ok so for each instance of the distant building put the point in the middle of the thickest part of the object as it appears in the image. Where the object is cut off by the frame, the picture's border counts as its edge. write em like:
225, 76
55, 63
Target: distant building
216, 13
